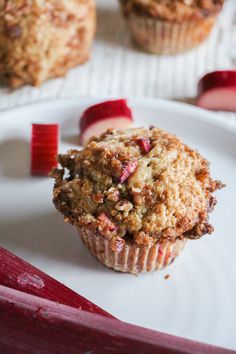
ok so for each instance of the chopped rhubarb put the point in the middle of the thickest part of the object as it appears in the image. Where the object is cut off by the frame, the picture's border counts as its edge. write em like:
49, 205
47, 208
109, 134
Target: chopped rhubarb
99, 117
44, 148
144, 144
30, 324
107, 222
117, 244
128, 170
217, 91
17, 274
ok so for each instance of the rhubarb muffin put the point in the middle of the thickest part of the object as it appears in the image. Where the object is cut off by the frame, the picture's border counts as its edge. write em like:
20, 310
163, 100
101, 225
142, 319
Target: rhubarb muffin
170, 26
136, 196
40, 40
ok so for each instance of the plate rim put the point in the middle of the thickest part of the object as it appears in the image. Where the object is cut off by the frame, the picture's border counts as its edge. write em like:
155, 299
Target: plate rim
196, 113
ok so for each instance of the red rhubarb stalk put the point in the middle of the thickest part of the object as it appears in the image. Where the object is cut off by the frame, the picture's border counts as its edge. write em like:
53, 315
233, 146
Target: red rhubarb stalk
44, 148
30, 324
107, 222
128, 170
109, 114
217, 91
17, 274
144, 144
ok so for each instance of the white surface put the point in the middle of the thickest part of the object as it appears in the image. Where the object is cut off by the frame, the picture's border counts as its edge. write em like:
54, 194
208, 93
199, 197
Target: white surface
117, 67
198, 300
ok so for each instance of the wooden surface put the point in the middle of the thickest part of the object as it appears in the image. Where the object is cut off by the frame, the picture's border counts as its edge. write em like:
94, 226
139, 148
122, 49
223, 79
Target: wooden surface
117, 67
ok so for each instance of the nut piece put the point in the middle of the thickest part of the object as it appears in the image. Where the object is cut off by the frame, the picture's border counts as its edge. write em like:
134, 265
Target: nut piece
113, 194
98, 198
124, 205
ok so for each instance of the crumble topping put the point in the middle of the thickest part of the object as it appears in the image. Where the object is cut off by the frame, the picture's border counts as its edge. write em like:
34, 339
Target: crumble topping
41, 39
124, 192
173, 10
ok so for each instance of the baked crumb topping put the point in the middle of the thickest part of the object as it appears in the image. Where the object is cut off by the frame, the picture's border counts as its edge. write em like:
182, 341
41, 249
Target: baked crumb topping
124, 192
172, 10
41, 39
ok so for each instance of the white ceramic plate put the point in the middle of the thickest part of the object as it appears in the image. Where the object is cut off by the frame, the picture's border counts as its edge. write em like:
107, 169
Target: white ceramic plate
198, 300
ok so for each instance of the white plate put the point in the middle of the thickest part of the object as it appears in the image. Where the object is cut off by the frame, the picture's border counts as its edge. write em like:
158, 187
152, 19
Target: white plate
198, 300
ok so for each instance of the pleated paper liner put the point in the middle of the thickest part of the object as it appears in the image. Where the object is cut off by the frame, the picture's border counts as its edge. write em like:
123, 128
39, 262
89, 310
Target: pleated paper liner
164, 37
132, 259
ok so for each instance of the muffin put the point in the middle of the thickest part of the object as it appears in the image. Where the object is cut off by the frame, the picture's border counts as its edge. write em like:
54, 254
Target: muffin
40, 40
170, 26
136, 196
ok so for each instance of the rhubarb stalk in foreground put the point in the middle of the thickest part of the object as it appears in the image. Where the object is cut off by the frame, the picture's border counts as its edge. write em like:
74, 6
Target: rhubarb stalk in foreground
30, 324
17, 274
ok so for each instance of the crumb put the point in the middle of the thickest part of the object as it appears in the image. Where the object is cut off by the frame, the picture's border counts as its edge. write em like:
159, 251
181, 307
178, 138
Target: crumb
167, 276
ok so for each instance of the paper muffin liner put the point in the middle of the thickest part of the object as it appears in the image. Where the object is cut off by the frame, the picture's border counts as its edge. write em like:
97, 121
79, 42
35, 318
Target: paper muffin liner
164, 37
132, 259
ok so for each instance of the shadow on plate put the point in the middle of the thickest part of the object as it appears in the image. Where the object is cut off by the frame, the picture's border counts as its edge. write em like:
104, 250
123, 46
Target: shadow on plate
15, 158
4, 84
189, 100
72, 140
48, 236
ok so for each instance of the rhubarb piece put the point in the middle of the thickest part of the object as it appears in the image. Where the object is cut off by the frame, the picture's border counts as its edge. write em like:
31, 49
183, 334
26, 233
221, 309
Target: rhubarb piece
30, 324
44, 148
127, 170
107, 222
217, 91
17, 274
144, 144
102, 116
117, 244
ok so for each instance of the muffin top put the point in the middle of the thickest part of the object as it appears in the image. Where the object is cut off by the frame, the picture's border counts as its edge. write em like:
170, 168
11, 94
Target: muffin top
172, 10
137, 185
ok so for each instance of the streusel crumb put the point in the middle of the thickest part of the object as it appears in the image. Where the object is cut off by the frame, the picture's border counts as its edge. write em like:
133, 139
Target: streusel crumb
118, 189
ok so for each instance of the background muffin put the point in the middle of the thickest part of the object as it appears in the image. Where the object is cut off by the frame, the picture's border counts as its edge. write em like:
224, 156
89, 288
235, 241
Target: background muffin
170, 26
136, 196
43, 39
